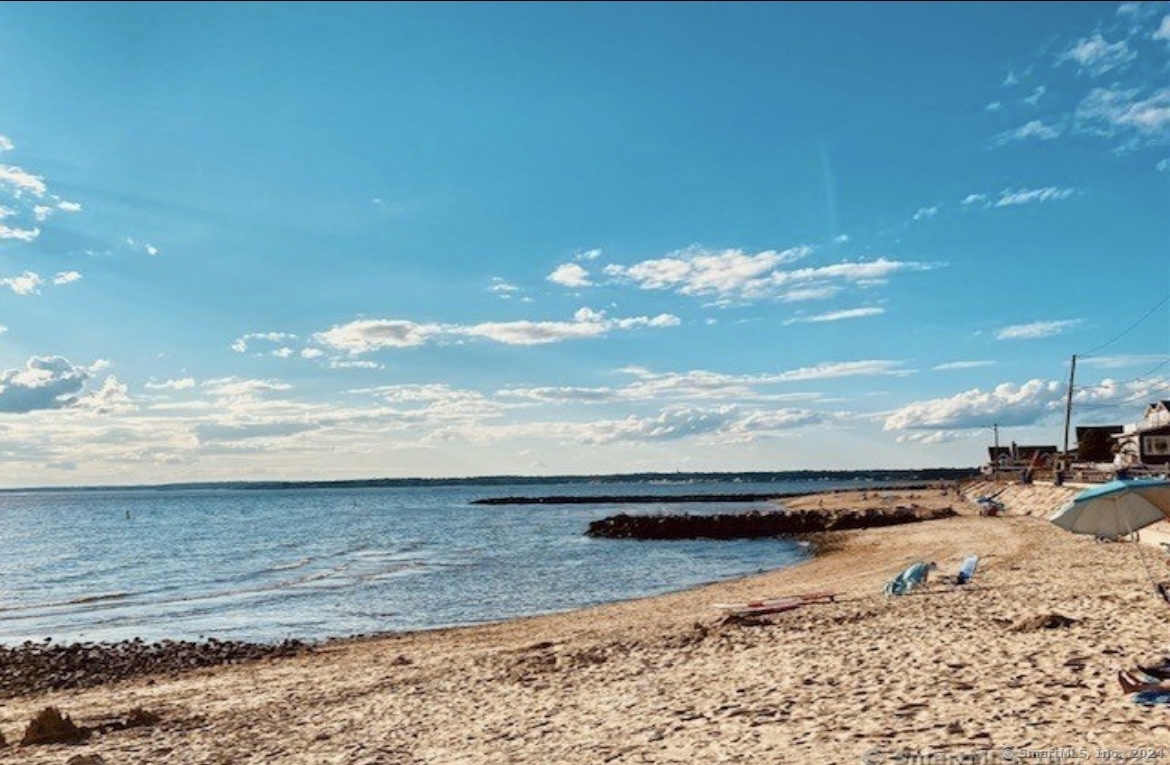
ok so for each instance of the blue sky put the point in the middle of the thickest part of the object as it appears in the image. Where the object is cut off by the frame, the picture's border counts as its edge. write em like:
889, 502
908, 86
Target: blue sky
254, 241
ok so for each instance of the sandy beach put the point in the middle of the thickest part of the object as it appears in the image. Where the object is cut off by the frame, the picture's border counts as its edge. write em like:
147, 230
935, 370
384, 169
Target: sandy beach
941, 672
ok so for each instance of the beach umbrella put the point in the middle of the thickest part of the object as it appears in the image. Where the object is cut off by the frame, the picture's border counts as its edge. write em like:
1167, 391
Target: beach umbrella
1116, 508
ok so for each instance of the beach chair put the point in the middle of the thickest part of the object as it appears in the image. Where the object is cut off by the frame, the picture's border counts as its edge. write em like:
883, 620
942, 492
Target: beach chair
914, 576
966, 572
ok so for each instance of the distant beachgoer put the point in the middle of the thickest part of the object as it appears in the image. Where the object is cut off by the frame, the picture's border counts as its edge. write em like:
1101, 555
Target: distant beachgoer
1123, 460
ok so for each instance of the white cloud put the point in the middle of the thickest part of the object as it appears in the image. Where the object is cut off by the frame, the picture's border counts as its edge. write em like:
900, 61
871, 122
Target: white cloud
1007, 405
66, 206
565, 394
312, 353
151, 249
702, 385
66, 277
1008, 197
502, 287
570, 275
367, 335
972, 199
809, 293
1110, 112
1011, 79
695, 271
22, 181
670, 424
930, 437
841, 238
1163, 165
994, 106
182, 383
1163, 31
722, 423
42, 212
832, 370
351, 363
734, 275
6, 144
923, 213
234, 433
1035, 330
112, 398
586, 323
588, 255
241, 343
45, 382
19, 234
1031, 129
234, 387
952, 365
27, 283
1035, 96
1097, 56
851, 313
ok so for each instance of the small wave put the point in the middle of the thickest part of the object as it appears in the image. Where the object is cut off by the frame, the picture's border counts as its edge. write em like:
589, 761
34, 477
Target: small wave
98, 598
291, 565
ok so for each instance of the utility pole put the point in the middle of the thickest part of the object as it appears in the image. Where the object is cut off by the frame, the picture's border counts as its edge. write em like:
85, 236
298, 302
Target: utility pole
1072, 373
995, 430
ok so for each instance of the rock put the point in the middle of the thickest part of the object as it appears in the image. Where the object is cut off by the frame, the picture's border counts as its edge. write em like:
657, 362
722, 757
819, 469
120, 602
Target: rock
86, 759
1042, 622
51, 727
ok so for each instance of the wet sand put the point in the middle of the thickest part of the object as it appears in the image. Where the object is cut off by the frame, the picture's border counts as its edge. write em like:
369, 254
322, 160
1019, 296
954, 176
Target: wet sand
944, 670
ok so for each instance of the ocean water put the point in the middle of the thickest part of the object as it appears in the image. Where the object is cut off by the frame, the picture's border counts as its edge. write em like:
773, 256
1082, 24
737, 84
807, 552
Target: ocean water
266, 565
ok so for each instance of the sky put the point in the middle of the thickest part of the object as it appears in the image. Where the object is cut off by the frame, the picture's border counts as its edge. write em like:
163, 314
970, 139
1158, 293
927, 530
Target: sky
330, 241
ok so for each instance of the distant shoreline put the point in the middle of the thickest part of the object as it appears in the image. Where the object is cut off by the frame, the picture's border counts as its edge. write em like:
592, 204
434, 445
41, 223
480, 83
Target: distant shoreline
781, 476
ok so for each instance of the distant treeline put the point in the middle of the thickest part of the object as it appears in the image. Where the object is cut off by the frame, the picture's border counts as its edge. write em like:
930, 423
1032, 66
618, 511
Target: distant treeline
883, 476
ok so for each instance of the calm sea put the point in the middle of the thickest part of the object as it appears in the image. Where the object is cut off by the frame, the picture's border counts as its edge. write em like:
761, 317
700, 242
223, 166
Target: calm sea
265, 565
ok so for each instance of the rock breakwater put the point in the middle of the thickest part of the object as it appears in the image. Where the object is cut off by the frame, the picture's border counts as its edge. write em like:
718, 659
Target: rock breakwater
757, 524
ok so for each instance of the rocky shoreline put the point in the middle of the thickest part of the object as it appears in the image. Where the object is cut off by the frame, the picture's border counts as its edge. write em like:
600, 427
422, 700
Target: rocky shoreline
38, 667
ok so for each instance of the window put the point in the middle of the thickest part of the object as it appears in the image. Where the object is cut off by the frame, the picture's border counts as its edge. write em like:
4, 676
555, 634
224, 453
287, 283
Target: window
1156, 445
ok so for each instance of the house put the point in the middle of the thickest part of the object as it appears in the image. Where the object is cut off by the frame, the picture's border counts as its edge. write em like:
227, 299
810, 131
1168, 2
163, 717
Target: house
1022, 456
1148, 440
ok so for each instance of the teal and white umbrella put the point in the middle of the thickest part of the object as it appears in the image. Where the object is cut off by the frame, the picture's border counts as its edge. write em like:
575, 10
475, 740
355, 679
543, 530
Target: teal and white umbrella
1116, 508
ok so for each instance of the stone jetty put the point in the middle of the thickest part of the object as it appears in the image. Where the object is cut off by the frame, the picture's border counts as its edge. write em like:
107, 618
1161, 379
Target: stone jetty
755, 524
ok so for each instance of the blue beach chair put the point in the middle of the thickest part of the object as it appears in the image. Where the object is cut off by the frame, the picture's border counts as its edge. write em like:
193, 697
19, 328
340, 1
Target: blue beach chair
914, 576
966, 571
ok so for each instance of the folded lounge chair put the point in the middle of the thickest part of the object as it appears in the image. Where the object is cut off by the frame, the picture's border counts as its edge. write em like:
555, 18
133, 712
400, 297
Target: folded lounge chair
914, 576
966, 571
1146, 689
775, 605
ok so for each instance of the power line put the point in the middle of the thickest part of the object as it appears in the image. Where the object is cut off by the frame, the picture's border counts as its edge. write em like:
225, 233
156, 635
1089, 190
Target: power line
1130, 328
1139, 378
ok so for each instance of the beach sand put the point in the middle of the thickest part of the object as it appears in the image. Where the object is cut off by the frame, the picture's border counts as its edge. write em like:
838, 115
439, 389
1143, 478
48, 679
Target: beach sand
939, 672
